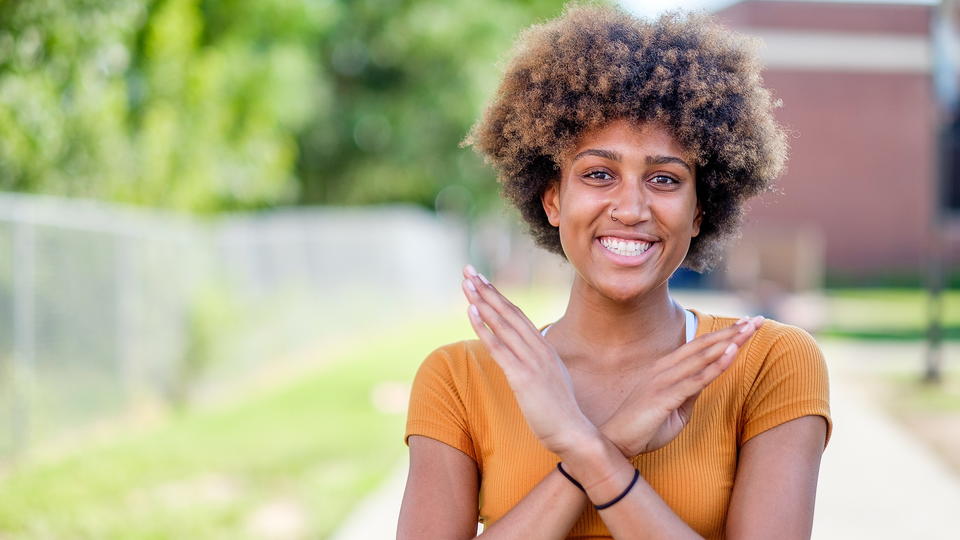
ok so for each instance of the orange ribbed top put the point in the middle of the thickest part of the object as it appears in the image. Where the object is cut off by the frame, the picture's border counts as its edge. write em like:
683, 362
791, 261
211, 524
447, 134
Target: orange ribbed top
461, 397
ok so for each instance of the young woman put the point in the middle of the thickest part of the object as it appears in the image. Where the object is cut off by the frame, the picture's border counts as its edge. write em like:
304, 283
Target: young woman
629, 148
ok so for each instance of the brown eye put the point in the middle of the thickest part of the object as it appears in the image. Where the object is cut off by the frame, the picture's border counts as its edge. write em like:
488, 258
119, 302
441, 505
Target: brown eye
664, 180
601, 176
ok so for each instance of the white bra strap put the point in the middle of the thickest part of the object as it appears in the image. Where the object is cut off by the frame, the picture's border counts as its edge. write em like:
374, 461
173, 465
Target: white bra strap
691, 324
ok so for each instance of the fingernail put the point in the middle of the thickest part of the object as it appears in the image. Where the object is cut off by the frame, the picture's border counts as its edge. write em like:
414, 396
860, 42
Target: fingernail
741, 320
470, 285
483, 279
747, 327
758, 320
731, 348
474, 311
471, 270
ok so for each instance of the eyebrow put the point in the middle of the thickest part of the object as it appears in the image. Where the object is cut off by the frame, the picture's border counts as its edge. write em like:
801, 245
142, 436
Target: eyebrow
663, 160
614, 156
599, 152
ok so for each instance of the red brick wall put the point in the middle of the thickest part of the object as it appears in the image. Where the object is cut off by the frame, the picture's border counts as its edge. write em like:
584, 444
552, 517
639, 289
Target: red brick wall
862, 156
860, 164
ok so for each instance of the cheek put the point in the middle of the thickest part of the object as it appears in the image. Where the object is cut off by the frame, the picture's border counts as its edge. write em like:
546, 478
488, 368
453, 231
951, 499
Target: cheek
578, 207
577, 220
677, 212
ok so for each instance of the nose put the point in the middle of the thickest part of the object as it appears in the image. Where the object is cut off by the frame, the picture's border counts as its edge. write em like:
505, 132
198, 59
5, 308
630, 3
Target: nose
630, 204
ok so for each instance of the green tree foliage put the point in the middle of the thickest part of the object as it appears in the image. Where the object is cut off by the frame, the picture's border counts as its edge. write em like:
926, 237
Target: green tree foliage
211, 105
409, 78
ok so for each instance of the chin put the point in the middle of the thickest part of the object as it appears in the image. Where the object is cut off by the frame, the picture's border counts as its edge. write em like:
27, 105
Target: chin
623, 292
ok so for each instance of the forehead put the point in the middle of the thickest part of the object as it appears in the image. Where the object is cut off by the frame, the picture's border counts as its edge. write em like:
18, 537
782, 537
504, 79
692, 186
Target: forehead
629, 138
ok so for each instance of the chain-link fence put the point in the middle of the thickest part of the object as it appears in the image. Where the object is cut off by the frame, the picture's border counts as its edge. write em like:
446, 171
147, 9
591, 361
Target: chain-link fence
104, 307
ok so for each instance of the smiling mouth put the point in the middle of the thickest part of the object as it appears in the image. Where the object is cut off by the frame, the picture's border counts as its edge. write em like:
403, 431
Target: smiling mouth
625, 248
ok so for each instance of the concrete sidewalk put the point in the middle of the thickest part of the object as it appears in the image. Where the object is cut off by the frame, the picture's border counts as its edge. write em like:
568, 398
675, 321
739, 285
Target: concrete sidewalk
876, 480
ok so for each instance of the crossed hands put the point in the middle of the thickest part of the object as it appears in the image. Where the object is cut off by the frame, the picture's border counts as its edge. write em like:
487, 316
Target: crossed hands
652, 415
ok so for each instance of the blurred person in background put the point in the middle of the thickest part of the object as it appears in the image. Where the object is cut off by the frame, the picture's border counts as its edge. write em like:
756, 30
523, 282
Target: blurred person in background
629, 148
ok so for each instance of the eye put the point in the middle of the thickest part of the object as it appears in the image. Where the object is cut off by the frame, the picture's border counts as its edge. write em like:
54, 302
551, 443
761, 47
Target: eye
664, 180
599, 176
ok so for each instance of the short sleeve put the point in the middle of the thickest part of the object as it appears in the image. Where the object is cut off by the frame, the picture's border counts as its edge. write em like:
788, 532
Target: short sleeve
791, 382
437, 407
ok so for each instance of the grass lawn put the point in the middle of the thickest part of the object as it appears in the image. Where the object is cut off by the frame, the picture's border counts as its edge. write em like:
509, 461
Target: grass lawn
890, 314
296, 457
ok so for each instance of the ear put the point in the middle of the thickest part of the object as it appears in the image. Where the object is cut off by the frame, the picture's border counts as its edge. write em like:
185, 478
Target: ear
551, 203
697, 219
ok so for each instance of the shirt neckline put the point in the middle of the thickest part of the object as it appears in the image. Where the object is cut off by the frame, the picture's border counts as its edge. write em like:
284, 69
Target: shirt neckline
691, 324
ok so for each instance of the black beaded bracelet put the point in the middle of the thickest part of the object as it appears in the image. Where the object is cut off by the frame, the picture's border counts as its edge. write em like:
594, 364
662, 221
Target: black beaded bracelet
636, 474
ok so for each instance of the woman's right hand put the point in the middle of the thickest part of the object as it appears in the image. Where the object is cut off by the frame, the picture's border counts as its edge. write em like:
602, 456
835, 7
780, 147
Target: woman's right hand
533, 369
659, 407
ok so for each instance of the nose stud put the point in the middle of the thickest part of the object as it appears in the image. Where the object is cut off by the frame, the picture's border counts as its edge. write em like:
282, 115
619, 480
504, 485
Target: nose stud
613, 217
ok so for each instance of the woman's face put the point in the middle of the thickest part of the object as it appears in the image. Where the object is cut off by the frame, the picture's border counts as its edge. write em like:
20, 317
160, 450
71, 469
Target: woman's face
626, 206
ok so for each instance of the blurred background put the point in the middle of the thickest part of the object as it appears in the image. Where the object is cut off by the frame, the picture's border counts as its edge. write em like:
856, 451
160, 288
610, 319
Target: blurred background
230, 230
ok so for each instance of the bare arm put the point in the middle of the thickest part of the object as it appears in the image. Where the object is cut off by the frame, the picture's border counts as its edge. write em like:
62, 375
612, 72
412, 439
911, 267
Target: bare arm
642, 513
773, 494
440, 499
776, 483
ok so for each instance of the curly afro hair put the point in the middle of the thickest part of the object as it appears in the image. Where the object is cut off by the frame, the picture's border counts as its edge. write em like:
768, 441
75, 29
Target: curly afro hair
595, 64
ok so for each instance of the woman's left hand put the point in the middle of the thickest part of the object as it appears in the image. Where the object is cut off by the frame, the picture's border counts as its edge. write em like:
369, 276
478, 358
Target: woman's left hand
536, 374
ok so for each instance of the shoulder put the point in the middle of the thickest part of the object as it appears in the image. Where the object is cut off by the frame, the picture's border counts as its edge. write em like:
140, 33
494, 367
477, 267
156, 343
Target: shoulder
773, 337
776, 347
459, 362
458, 354
779, 338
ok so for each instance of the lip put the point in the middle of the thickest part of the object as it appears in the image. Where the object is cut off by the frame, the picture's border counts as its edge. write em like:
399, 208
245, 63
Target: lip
626, 260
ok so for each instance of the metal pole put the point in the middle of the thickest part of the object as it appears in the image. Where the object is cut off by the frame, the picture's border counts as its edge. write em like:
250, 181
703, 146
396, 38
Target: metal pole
127, 363
933, 368
944, 81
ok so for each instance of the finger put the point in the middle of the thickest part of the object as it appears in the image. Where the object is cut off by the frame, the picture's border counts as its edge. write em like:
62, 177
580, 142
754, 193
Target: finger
696, 362
673, 364
506, 309
745, 326
507, 333
498, 350
748, 330
492, 319
696, 382
706, 341
470, 291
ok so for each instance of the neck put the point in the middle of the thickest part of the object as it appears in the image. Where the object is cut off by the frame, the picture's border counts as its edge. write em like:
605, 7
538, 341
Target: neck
598, 332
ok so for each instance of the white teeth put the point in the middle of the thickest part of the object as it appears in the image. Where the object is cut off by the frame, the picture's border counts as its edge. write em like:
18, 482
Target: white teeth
624, 247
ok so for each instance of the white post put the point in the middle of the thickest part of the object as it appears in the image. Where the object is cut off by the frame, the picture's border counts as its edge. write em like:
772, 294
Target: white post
24, 331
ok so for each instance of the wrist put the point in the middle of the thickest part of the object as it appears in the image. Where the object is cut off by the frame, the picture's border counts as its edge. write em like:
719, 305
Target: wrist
580, 438
580, 446
594, 462
627, 448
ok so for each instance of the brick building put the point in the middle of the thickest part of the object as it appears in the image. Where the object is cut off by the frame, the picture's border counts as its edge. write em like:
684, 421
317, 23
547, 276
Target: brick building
859, 105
